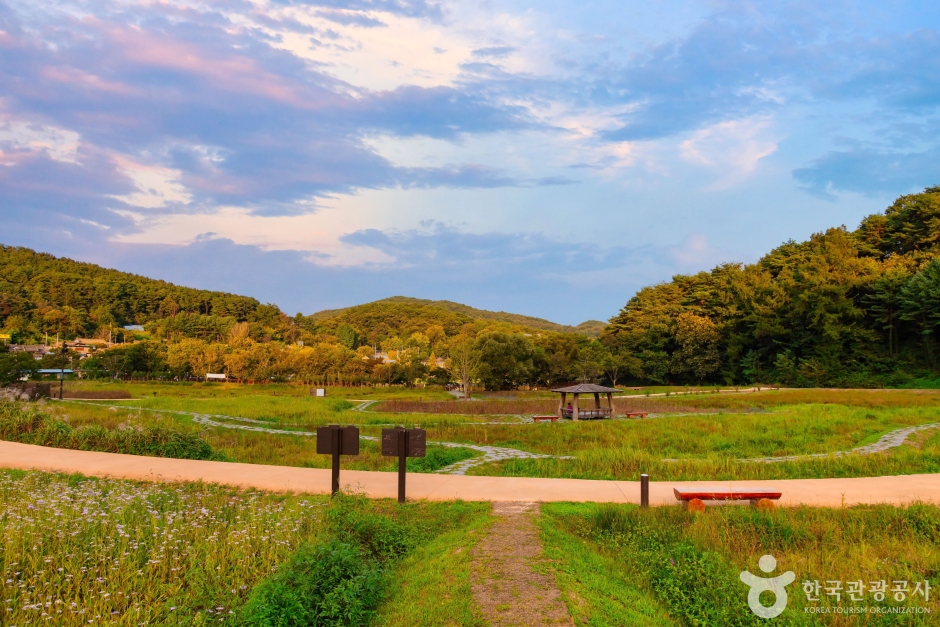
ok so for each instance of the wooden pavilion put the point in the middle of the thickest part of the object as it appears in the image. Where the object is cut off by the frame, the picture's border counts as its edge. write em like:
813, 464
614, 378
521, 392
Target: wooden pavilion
575, 412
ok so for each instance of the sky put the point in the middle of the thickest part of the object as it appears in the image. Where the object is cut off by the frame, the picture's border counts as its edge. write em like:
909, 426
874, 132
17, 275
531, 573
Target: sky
547, 158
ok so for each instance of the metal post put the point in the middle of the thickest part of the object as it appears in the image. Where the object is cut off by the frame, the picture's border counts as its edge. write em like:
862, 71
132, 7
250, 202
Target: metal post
402, 463
65, 351
644, 490
337, 440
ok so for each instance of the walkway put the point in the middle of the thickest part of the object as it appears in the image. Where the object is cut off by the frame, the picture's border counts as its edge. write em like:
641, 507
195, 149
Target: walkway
489, 453
820, 492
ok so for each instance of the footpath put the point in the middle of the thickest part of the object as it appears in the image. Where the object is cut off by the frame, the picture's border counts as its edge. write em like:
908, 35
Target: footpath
899, 490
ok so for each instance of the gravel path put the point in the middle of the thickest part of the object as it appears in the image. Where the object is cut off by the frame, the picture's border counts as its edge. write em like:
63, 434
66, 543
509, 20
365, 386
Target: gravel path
489, 453
892, 439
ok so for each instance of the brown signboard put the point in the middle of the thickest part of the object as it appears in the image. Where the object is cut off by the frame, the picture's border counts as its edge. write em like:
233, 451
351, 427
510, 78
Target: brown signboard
416, 444
348, 440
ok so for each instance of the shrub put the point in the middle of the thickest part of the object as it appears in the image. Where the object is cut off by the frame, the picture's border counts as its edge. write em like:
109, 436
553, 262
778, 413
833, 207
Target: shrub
331, 584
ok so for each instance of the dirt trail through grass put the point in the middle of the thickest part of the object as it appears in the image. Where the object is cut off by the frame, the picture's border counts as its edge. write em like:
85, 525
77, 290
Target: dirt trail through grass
509, 585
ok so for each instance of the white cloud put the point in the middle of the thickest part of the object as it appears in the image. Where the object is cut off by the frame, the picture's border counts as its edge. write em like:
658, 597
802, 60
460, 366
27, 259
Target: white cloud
58, 143
157, 186
730, 149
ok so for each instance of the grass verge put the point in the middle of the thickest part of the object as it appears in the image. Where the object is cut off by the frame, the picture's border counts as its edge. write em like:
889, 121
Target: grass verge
431, 587
691, 563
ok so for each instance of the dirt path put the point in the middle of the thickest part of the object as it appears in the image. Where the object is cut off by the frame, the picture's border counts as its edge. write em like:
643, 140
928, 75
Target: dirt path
900, 490
506, 587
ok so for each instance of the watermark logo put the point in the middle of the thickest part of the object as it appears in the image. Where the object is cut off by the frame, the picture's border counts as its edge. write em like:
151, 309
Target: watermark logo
777, 585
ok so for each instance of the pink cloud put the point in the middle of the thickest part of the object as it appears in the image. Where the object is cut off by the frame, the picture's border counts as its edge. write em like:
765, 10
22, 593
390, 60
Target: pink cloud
80, 78
236, 73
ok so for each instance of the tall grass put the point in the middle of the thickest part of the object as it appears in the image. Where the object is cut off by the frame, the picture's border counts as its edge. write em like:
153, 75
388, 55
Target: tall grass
77, 551
339, 582
20, 422
522, 407
691, 562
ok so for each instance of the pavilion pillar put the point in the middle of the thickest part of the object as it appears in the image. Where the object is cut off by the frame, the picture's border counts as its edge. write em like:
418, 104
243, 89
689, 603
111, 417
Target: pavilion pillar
597, 400
610, 403
574, 415
561, 406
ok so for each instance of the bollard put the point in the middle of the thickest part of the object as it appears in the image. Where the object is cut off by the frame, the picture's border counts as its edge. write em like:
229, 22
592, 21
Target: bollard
644, 490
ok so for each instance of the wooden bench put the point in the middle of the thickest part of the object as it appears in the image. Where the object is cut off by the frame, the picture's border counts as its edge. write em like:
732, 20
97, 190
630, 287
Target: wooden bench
695, 499
635, 414
544, 418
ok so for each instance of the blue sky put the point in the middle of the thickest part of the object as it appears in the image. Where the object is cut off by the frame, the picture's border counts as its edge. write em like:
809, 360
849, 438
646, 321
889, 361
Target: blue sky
546, 158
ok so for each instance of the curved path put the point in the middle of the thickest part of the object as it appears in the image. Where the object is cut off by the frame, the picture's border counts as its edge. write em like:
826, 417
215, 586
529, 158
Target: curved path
817, 492
892, 439
489, 453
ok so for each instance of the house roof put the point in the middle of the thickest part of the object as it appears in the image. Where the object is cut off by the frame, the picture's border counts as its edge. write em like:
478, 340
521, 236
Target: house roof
586, 388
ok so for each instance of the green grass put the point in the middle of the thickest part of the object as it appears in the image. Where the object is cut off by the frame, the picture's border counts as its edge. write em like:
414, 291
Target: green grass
596, 587
666, 560
28, 424
128, 553
431, 587
76, 550
703, 437
191, 389
341, 580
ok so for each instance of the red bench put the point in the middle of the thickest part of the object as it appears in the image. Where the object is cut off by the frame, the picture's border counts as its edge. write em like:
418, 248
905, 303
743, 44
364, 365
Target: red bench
544, 418
635, 414
694, 499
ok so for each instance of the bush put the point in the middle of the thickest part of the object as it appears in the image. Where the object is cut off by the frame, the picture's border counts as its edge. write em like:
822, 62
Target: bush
331, 584
30, 425
438, 457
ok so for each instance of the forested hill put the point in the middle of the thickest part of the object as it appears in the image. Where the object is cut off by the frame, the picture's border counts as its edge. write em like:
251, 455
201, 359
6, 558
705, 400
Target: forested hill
42, 294
845, 307
466, 313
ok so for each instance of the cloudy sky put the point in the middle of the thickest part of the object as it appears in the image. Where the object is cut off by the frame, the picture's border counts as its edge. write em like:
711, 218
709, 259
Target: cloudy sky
546, 158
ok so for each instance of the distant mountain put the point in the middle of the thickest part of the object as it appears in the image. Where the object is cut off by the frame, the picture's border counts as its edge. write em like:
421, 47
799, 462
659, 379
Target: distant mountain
465, 314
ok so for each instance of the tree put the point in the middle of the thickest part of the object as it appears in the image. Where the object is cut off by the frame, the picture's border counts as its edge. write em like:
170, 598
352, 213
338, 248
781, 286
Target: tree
15, 365
920, 303
506, 360
697, 337
464, 361
347, 335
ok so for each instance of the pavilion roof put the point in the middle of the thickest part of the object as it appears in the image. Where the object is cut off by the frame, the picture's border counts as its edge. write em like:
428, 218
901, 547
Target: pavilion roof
586, 388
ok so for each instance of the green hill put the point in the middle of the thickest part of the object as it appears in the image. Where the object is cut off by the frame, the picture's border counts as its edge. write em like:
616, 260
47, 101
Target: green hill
40, 294
369, 314
845, 308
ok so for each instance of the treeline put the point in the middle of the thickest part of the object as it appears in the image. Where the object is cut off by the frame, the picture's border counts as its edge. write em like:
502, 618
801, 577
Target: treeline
494, 358
845, 308
41, 294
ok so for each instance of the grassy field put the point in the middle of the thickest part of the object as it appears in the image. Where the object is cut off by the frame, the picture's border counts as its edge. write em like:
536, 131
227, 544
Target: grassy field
701, 436
620, 565
192, 389
78, 551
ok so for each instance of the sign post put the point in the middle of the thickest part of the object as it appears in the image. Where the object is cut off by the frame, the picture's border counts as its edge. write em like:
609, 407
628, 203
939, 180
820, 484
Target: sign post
336, 440
403, 443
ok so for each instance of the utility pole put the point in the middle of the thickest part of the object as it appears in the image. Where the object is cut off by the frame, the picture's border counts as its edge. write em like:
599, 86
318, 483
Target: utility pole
65, 352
